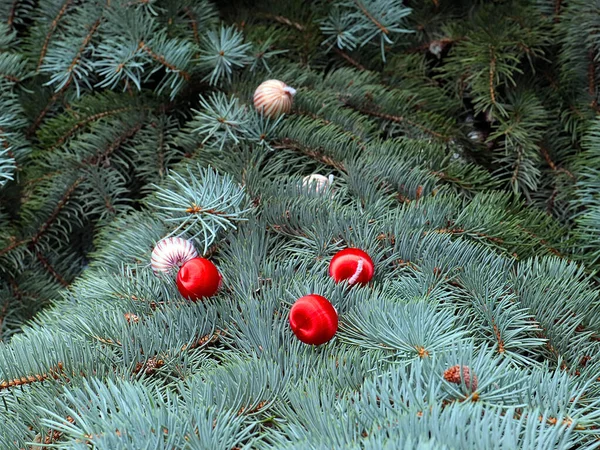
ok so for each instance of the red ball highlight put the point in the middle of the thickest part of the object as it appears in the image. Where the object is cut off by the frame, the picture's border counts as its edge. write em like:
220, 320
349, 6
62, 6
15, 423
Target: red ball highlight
353, 265
198, 278
313, 319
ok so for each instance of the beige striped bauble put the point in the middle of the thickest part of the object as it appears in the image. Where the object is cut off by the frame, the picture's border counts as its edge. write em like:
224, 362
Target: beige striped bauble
172, 253
273, 98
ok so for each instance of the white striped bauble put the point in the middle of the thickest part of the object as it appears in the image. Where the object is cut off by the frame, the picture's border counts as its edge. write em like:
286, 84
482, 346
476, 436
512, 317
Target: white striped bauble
273, 98
317, 181
172, 252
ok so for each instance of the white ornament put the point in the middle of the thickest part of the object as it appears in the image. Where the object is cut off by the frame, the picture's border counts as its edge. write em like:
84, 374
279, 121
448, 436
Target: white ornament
273, 98
172, 252
321, 182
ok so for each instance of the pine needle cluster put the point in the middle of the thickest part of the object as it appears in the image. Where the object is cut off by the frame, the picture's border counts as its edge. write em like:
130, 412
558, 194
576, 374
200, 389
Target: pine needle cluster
464, 145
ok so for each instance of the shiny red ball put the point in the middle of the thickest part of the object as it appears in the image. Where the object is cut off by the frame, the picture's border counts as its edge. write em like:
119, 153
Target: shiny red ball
313, 319
198, 278
351, 264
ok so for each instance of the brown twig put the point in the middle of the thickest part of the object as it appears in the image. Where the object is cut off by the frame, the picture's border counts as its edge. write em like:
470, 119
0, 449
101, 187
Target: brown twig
53, 26
54, 436
557, 5
115, 145
161, 59
492, 73
11, 78
11, 14
400, 119
40, 117
542, 241
57, 95
6, 146
51, 269
348, 58
592, 81
498, 337
82, 47
54, 372
370, 17
553, 166
188, 13
60, 205
285, 21
204, 340
463, 231
86, 121
315, 154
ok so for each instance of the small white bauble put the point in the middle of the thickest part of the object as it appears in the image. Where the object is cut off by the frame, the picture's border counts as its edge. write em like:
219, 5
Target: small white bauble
172, 252
320, 182
273, 98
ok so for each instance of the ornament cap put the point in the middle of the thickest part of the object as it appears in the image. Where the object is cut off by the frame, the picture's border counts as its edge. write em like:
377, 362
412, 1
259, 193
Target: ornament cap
290, 90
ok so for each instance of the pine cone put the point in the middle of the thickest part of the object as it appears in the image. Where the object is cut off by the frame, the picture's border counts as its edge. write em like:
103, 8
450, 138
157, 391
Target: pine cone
452, 375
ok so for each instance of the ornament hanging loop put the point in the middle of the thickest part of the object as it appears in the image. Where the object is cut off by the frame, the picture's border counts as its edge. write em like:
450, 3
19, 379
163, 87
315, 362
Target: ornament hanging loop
359, 268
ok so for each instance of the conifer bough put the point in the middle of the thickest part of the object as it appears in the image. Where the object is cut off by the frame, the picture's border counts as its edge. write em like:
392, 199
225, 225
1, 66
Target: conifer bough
463, 140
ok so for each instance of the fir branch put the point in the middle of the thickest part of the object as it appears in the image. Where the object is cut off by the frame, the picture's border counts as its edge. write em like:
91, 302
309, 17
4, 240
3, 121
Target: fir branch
161, 60
194, 24
55, 373
11, 14
53, 436
399, 119
51, 269
551, 163
38, 120
285, 21
10, 78
8, 148
82, 48
541, 241
370, 17
81, 124
95, 159
53, 26
349, 59
31, 242
492, 75
557, 7
3, 314
592, 80
60, 205
313, 153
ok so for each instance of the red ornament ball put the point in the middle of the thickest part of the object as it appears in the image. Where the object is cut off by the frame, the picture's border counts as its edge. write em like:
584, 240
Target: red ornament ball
313, 319
198, 278
351, 264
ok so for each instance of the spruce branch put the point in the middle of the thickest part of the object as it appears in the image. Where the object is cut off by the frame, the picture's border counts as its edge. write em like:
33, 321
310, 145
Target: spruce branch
223, 51
51, 30
200, 204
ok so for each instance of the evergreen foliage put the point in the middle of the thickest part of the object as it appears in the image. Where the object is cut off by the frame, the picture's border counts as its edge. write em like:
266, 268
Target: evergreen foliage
465, 148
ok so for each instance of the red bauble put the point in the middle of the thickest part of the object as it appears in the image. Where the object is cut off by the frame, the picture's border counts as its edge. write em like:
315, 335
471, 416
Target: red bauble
351, 264
313, 319
198, 278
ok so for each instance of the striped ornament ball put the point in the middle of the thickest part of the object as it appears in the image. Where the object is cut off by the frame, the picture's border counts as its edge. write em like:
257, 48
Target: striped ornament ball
274, 98
172, 253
